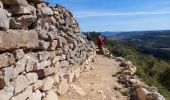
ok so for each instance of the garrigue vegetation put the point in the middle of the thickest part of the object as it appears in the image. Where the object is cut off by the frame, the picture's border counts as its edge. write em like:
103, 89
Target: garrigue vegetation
152, 70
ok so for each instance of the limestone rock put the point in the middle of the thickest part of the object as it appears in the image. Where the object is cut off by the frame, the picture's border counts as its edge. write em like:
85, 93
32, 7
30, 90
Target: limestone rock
9, 74
45, 11
6, 93
47, 83
51, 95
1, 4
6, 59
44, 45
37, 95
63, 87
38, 84
30, 65
20, 65
22, 22
23, 10
20, 83
18, 39
19, 54
56, 79
4, 21
42, 34
43, 64
32, 77
77, 73
42, 56
64, 63
56, 59
24, 95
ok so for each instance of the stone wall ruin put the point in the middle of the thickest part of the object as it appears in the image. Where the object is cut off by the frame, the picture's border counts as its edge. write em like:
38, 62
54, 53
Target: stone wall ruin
42, 50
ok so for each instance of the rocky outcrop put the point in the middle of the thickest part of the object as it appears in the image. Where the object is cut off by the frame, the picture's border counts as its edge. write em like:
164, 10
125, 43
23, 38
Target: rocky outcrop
42, 50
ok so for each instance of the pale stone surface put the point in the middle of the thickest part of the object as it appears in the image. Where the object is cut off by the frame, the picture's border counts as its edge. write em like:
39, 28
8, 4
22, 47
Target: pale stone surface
6, 59
19, 54
45, 11
6, 93
77, 73
42, 56
37, 95
63, 87
30, 65
38, 84
56, 78
44, 45
1, 4
25, 94
43, 64
56, 59
18, 39
32, 77
51, 95
9, 74
4, 21
47, 83
64, 63
20, 83
20, 65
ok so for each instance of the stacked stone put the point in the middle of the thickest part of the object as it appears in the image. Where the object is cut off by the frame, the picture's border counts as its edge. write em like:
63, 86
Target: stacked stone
140, 90
41, 50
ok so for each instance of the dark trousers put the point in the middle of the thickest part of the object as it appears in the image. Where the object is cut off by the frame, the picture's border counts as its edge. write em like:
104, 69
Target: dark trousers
100, 47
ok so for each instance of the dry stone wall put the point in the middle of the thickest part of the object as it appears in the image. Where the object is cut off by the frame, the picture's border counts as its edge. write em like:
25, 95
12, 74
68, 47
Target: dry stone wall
42, 50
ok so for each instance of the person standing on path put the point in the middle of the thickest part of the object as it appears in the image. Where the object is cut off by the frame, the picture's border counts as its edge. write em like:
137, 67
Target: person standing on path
100, 43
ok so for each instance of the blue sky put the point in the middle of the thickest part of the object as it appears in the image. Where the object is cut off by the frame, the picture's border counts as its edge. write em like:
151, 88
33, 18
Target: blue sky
119, 15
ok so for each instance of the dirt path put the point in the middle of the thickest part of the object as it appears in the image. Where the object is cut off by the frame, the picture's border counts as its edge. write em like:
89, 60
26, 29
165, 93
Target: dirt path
96, 84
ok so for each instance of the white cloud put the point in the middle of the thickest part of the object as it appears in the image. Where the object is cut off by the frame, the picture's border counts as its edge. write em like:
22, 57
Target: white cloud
85, 14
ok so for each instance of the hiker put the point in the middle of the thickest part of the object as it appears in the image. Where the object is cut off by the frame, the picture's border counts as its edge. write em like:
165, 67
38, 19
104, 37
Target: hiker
100, 43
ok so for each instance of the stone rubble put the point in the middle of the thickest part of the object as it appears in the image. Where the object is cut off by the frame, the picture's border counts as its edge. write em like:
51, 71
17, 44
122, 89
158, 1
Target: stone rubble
140, 90
42, 50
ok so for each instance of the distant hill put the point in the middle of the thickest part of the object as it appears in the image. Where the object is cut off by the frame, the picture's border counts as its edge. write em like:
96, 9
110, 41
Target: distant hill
156, 43
110, 34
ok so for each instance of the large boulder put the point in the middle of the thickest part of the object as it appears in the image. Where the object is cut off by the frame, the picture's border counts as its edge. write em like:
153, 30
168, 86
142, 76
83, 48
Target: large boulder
18, 39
